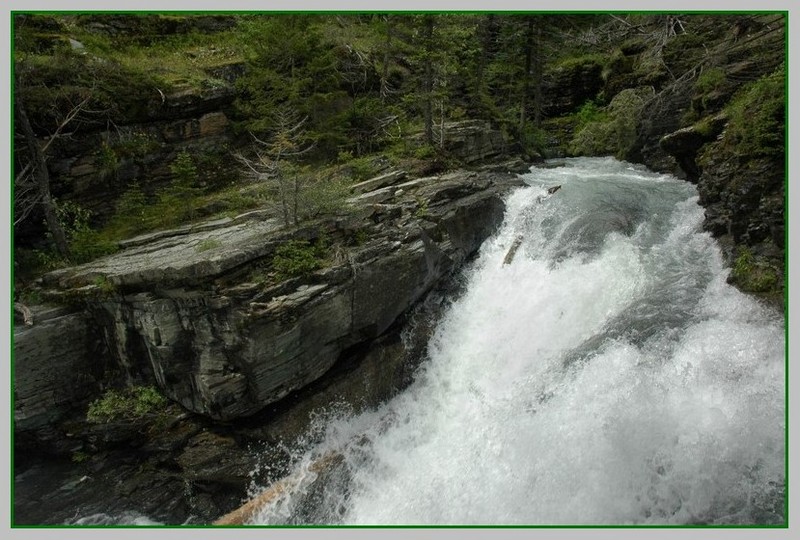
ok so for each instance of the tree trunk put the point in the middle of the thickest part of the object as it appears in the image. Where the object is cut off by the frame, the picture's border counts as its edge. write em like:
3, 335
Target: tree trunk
428, 81
42, 177
486, 31
526, 80
387, 57
537, 79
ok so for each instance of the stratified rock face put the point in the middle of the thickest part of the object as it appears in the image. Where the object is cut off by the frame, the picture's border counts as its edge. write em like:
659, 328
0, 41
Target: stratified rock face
225, 347
471, 141
56, 365
566, 88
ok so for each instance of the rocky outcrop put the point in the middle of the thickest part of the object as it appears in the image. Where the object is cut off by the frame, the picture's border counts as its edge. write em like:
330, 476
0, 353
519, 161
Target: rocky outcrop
96, 168
58, 363
469, 141
266, 357
185, 312
568, 86
684, 144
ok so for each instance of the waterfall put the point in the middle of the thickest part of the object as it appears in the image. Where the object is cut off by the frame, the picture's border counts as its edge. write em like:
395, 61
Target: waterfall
607, 375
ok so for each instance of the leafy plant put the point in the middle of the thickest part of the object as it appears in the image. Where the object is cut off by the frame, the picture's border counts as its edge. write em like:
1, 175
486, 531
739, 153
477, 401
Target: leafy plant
613, 132
79, 456
296, 258
85, 243
106, 286
132, 404
107, 160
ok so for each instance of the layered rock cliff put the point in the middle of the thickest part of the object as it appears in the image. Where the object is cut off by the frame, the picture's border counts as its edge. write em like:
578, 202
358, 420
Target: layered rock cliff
186, 310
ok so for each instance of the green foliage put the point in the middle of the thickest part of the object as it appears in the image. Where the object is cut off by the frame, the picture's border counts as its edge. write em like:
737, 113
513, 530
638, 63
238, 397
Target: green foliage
322, 195
178, 199
362, 168
757, 117
105, 286
709, 80
425, 151
79, 457
297, 258
184, 169
88, 244
107, 160
576, 62
704, 126
131, 212
614, 132
534, 138
85, 243
422, 208
135, 144
133, 404
751, 275
588, 113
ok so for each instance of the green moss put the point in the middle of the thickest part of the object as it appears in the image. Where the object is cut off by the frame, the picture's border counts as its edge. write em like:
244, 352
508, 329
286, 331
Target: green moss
105, 286
751, 275
757, 118
709, 80
208, 244
705, 126
574, 62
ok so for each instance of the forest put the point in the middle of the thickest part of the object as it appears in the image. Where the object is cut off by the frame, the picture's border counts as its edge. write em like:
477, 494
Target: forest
319, 96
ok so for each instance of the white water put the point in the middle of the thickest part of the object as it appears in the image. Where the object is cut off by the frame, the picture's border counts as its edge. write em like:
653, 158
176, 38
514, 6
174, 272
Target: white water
609, 375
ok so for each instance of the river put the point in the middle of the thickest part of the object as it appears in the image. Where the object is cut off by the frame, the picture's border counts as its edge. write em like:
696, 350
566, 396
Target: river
607, 375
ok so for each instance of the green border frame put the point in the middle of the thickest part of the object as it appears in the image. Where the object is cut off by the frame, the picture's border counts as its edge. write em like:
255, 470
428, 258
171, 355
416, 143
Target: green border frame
785, 13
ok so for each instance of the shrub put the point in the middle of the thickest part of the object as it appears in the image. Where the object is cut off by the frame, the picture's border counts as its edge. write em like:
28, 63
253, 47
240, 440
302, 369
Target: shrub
296, 258
614, 131
85, 243
132, 404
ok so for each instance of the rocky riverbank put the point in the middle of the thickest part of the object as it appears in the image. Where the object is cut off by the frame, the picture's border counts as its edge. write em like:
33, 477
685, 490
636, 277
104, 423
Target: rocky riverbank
245, 364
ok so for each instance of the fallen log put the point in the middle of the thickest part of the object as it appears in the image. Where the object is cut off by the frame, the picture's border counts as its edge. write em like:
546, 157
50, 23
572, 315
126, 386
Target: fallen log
248, 510
27, 314
513, 250
518, 240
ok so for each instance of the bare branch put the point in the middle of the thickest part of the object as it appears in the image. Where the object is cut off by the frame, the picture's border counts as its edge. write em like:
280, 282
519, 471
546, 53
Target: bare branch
70, 116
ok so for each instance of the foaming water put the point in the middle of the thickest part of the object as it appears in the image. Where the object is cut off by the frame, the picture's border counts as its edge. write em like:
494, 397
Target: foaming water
608, 375
120, 519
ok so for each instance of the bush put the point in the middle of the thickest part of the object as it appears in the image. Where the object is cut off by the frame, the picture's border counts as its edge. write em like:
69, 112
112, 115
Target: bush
613, 131
85, 243
297, 258
132, 404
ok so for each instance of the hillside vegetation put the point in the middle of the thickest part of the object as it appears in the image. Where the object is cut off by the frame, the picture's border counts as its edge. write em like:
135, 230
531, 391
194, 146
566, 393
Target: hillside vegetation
150, 121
